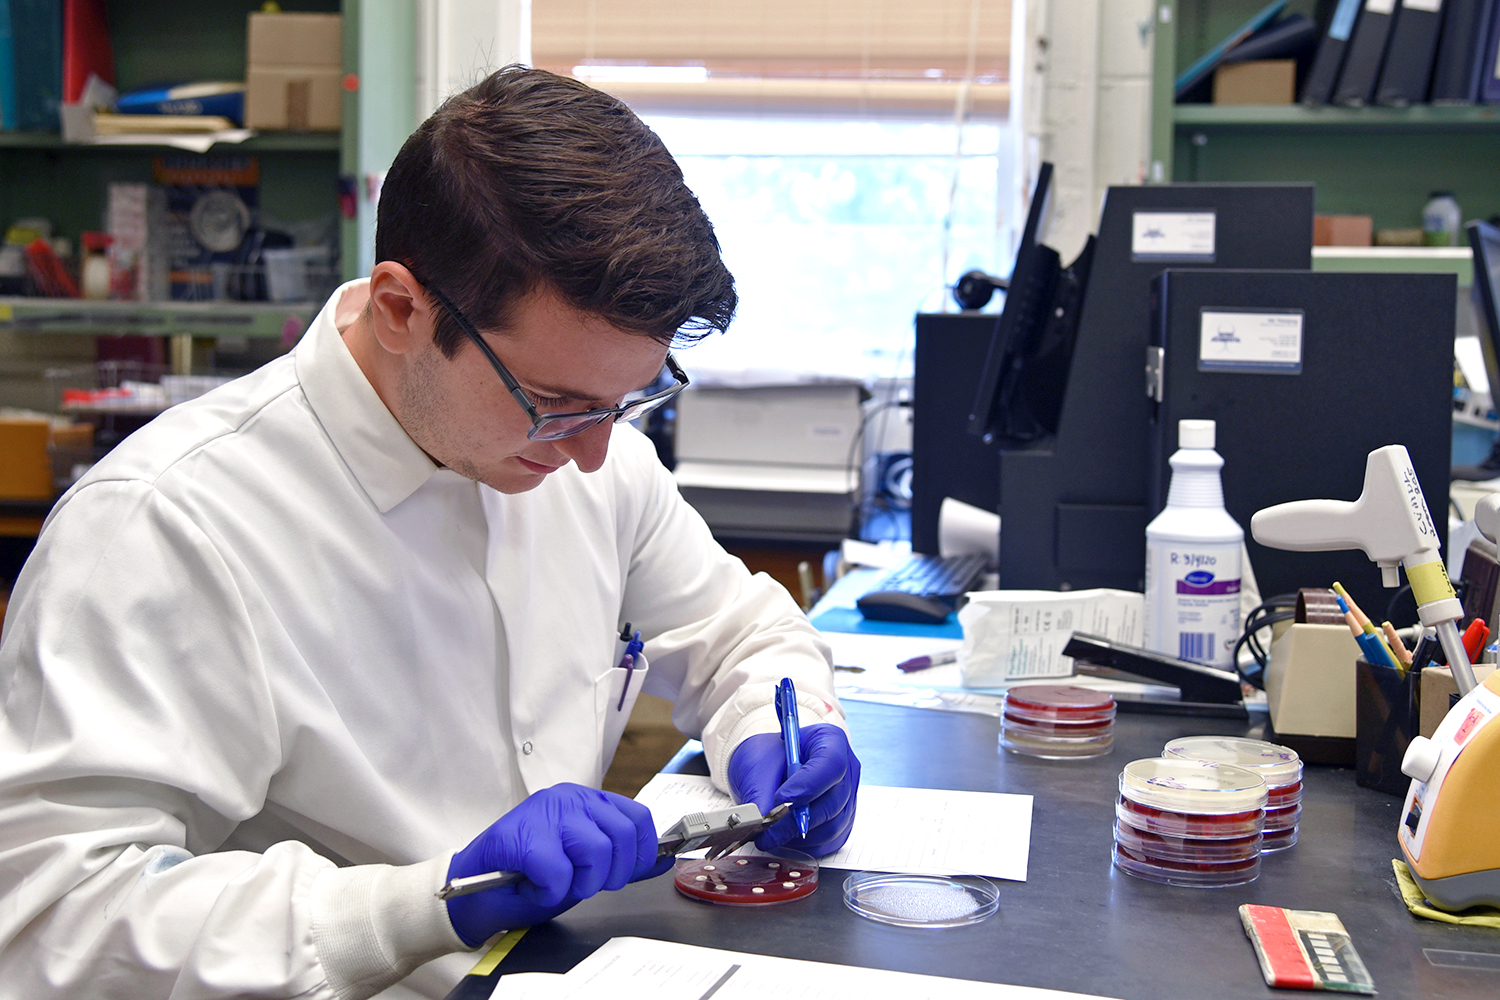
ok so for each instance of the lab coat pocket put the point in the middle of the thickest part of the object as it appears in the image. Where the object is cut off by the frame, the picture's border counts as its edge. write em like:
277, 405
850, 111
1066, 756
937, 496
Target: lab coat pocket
612, 711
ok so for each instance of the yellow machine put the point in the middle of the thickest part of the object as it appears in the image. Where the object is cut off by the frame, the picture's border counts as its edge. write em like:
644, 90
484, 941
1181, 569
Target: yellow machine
1450, 829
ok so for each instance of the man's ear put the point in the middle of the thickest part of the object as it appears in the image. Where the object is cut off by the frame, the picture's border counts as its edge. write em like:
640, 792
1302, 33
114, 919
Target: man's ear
400, 314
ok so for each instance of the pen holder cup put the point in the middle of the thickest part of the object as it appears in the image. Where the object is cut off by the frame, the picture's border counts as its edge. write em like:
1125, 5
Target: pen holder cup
1386, 719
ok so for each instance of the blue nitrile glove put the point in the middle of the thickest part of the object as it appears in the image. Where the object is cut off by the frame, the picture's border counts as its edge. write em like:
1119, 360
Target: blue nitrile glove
827, 783
569, 841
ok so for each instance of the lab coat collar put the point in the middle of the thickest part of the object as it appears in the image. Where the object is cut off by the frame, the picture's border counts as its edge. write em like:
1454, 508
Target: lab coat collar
384, 460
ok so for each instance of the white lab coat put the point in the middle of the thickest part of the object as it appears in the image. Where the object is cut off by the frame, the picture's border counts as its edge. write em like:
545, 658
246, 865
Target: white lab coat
266, 649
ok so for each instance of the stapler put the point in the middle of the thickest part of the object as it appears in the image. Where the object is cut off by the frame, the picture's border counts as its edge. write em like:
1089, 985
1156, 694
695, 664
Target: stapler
1450, 825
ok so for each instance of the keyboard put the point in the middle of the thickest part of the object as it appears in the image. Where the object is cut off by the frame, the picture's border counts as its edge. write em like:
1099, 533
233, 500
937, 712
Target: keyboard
925, 589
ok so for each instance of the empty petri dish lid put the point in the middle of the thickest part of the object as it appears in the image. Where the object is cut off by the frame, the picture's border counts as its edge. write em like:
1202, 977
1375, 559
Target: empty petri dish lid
933, 900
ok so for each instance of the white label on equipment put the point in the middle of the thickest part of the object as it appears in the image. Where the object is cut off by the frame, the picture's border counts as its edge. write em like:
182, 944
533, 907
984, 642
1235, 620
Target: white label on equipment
1380, 6
1430, 5
1172, 236
1251, 341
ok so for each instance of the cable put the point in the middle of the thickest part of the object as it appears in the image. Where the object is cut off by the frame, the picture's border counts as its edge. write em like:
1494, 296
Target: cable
1266, 613
855, 448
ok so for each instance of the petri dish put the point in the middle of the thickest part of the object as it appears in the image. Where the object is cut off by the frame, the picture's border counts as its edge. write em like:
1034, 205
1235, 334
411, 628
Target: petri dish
1280, 767
1189, 873
1278, 840
1189, 822
1193, 849
747, 879
1059, 702
931, 900
1057, 721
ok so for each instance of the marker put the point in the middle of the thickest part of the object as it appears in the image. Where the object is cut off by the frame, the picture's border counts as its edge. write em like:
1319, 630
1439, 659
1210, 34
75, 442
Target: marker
923, 662
1474, 637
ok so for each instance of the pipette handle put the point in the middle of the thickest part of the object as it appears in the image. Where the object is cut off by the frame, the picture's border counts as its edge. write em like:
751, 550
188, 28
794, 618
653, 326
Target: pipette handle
1458, 659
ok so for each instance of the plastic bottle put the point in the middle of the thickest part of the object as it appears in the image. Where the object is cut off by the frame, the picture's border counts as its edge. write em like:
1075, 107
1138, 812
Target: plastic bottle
94, 269
1441, 220
1193, 558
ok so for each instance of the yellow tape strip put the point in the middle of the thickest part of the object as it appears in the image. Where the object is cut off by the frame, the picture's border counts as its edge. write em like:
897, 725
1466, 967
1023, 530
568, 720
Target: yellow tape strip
1429, 582
496, 955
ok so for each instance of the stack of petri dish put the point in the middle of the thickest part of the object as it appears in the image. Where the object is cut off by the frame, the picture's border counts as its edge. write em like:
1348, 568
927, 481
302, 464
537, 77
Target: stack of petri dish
1057, 721
1278, 766
1189, 822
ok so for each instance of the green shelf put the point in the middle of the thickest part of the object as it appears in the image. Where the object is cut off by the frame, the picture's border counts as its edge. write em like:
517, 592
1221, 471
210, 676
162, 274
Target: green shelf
1416, 117
292, 142
156, 319
1403, 260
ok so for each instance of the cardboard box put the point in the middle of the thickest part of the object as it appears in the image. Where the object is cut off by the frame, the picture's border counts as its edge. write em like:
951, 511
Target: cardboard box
1343, 230
294, 72
25, 465
1437, 687
1259, 81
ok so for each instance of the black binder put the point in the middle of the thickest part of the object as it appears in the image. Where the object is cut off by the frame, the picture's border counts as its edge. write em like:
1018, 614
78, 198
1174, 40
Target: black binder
1407, 71
1367, 46
1459, 71
1489, 84
1374, 368
1330, 58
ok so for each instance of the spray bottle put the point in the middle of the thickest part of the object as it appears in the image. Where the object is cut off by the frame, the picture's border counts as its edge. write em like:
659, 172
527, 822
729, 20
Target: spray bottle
1193, 558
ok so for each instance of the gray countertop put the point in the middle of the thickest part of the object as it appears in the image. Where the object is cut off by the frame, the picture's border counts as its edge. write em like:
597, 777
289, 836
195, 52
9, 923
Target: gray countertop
1076, 923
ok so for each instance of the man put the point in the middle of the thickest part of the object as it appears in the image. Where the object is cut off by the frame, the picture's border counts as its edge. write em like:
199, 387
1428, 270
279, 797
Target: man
298, 652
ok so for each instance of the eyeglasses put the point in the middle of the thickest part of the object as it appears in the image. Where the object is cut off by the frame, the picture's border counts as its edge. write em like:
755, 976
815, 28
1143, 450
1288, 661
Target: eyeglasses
555, 426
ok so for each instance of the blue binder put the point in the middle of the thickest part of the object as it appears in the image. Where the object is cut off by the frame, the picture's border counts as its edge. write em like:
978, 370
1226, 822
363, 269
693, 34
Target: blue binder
36, 46
7, 70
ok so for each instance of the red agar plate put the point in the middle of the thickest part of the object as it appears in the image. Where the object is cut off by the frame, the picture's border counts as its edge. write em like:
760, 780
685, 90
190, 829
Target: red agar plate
747, 879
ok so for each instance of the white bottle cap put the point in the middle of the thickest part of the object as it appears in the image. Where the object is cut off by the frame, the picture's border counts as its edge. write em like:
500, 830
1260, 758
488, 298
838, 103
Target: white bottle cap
1195, 433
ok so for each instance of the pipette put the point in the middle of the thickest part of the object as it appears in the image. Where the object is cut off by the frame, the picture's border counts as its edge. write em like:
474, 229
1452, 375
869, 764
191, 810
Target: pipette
1391, 524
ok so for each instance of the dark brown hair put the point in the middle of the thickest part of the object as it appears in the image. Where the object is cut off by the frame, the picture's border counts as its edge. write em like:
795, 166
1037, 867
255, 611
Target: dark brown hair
530, 180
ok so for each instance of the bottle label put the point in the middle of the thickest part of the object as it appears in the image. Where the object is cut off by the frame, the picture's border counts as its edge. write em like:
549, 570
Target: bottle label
1193, 600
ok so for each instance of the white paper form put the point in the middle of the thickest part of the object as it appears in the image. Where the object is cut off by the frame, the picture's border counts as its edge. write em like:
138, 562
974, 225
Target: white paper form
941, 688
916, 830
628, 968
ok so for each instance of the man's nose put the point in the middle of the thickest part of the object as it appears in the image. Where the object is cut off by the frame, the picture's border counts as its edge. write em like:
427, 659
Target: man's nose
588, 448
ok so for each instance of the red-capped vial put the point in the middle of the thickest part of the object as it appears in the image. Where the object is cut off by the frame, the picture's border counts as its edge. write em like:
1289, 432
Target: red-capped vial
1278, 766
1057, 721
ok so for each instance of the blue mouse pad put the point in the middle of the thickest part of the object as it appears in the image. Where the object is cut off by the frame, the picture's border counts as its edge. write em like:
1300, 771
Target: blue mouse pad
850, 620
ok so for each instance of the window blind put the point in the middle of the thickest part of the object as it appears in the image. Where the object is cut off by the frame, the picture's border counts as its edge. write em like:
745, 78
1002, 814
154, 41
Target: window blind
876, 56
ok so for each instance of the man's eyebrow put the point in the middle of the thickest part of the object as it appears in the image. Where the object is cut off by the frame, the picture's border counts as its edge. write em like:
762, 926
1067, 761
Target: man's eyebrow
566, 392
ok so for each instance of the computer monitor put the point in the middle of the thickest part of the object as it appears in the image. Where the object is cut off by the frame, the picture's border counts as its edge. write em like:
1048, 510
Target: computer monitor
1485, 241
1025, 374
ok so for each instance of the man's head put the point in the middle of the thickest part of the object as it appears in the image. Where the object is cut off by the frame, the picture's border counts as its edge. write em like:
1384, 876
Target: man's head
551, 218
531, 181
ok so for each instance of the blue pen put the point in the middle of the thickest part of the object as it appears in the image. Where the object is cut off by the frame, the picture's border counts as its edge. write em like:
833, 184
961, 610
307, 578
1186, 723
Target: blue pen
791, 735
627, 663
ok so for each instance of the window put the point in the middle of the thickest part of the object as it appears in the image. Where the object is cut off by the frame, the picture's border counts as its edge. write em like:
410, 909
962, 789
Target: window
838, 232
820, 136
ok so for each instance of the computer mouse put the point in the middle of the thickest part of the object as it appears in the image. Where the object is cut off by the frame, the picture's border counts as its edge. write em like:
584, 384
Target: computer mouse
901, 606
